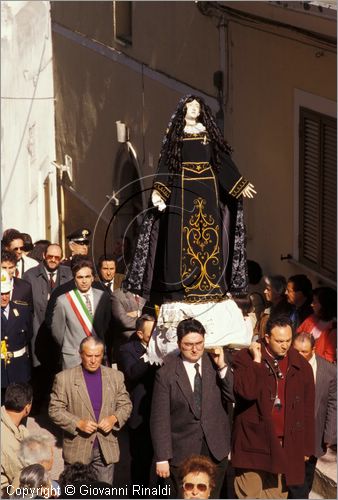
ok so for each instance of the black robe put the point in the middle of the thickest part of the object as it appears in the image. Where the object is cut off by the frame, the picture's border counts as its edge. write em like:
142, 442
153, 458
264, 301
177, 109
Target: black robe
195, 250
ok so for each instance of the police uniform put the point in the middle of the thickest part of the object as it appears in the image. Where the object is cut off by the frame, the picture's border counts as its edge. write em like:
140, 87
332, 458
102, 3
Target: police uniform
16, 333
81, 237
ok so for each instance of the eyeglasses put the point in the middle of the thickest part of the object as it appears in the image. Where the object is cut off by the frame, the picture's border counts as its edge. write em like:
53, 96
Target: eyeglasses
55, 257
190, 345
17, 248
202, 487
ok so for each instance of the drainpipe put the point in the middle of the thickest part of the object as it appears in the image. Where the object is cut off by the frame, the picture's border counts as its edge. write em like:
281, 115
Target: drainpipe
60, 170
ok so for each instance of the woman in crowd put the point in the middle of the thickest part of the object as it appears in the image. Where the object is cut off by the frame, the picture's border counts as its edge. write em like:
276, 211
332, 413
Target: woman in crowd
198, 477
245, 303
322, 324
35, 479
275, 287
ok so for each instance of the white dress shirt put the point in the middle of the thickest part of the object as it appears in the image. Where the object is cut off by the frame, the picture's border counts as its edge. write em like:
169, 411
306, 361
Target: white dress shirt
313, 363
191, 370
6, 311
110, 285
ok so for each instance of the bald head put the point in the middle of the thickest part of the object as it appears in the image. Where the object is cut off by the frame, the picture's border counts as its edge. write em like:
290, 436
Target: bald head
304, 343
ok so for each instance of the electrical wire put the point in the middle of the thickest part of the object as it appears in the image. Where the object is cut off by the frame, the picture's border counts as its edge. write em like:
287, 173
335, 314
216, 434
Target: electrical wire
28, 98
213, 9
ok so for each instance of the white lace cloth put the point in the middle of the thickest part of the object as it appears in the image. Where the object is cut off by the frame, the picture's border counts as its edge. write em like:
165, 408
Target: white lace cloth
223, 322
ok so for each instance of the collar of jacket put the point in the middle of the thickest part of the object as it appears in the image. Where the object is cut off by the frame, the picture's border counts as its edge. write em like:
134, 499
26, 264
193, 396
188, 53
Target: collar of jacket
8, 422
41, 270
294, 356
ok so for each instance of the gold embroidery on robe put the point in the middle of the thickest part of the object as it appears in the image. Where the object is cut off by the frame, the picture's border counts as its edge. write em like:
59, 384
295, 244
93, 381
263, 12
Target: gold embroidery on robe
201, 253
163, 190
238, 188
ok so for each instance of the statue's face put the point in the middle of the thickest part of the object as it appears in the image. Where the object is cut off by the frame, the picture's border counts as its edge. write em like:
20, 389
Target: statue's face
193, 110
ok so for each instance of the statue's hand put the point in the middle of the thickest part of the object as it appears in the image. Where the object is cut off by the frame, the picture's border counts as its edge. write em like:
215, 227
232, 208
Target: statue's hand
158, 201
249, 191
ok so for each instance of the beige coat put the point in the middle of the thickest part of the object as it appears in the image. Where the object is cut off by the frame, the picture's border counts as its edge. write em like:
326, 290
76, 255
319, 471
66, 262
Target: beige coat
11, 437
70, 402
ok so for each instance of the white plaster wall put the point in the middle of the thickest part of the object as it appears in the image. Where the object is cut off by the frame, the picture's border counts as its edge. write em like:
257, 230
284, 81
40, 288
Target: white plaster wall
27, 122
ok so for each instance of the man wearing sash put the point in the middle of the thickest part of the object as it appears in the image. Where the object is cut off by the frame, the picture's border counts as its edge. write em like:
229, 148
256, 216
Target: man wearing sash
79, 313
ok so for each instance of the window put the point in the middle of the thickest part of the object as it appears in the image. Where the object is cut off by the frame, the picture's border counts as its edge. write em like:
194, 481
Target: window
317, 195
122, 12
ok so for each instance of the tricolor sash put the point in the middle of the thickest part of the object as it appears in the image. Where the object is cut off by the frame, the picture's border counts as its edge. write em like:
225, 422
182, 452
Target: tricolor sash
81, 312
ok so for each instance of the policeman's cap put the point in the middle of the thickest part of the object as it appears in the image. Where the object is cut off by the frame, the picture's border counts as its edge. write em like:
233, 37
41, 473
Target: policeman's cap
80, 236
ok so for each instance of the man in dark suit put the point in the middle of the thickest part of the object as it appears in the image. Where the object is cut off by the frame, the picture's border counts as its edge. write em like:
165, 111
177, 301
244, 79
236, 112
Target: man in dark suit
21, 290
299, 295
109, 279
126, 308
325, 375
189, 407
139, 375
16, 332
44, 278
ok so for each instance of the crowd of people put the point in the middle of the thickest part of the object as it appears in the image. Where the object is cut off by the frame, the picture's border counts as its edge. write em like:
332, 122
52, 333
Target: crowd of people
74, 344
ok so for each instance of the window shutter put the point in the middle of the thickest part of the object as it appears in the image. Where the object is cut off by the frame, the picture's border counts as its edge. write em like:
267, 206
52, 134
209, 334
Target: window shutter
318, 174
329, 199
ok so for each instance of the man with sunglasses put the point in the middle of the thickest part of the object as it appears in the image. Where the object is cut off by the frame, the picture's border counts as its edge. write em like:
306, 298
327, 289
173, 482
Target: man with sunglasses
44, 279
189, 407
13, 241
273, 431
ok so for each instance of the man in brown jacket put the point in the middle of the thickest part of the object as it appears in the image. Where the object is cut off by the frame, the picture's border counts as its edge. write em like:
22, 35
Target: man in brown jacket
273, 432
90, 403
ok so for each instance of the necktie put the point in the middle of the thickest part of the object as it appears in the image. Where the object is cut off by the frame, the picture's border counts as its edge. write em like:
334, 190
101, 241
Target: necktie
88, 304
3, 315
198, 391
51, 281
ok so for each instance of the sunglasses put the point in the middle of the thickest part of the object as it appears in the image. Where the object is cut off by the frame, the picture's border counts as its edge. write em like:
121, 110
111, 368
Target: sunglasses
55, 257
17, 248
202, 487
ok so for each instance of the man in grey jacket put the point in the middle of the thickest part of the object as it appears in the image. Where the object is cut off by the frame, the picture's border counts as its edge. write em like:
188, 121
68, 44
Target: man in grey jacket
80, 312
325, 375
44, 279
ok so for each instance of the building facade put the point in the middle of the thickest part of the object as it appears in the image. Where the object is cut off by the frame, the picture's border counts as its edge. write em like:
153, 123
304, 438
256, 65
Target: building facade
267, 69
28, 187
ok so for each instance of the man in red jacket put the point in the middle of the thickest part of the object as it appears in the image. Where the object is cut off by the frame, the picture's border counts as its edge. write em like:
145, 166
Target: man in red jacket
273, 433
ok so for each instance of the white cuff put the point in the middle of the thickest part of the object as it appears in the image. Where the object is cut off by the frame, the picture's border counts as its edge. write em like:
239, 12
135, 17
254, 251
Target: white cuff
158, 201
223, 372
